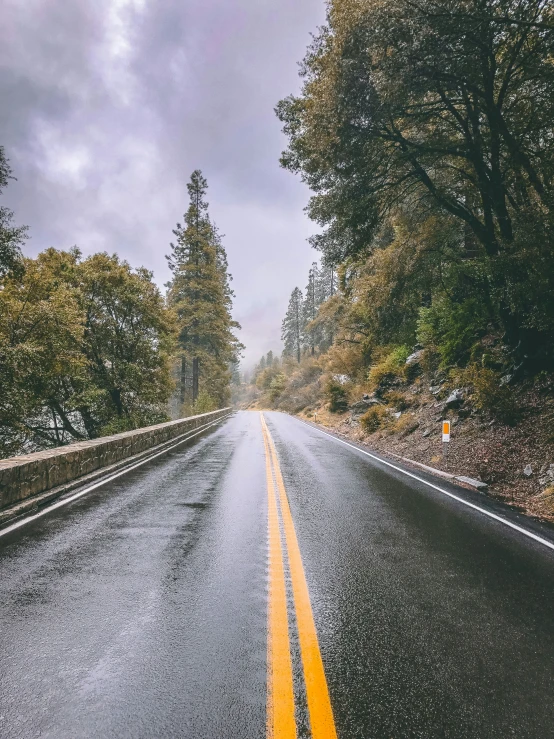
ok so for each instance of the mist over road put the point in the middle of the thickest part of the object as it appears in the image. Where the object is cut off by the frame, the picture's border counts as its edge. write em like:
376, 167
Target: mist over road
267, 579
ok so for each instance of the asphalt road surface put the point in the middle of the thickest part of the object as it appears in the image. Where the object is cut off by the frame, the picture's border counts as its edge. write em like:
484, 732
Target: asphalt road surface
268, 580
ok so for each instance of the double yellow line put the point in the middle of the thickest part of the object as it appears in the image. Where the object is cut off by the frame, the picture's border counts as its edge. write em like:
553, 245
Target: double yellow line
281, 722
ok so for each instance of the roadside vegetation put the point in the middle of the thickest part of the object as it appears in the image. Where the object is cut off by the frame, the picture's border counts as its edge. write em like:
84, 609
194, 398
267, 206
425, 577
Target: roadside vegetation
425, 135
91, 347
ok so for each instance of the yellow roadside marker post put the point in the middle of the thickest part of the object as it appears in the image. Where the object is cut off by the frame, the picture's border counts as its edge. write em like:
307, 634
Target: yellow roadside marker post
445, 438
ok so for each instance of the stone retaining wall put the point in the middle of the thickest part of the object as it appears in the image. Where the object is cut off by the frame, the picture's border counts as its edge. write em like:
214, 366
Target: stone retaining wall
28, 475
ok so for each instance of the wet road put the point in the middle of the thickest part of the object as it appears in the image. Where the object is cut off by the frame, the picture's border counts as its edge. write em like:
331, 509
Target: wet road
141, 609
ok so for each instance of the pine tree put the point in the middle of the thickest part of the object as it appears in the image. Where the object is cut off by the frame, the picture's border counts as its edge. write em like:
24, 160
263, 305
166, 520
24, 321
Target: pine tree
309, 308
269, 359
201, 296
326, 283
293, 325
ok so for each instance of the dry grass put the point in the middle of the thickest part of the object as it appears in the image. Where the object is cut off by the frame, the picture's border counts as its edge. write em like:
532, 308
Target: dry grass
406, 424
374, 418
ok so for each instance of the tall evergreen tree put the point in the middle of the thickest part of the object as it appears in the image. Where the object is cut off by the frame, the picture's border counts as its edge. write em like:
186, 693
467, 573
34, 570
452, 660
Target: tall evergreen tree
293, 325
201, 296
326, 284
310, 307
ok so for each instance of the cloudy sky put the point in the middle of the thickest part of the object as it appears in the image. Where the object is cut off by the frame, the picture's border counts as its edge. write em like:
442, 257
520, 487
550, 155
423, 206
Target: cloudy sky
107, 107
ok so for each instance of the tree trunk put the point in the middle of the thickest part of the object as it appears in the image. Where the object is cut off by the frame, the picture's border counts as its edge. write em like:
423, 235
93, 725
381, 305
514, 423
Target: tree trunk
195, 366
116, 399
183, 380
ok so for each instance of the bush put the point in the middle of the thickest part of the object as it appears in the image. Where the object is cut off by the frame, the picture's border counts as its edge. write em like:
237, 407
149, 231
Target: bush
488, 394
374, 418
204, 403
276, 387
397, 400
405, 424
336, 394
393, 365
452, 328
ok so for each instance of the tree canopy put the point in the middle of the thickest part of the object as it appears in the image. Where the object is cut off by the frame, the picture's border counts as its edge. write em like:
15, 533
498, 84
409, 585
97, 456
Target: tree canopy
84, 350
439, 114
12, 237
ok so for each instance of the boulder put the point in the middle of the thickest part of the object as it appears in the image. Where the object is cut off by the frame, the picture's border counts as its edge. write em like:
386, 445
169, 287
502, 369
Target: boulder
527, 470
361, 406
547, 476
341, 379
455, 398
415, 358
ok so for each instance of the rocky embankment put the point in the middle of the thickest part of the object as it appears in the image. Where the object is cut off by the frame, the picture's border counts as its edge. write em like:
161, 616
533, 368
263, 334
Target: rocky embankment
513, 457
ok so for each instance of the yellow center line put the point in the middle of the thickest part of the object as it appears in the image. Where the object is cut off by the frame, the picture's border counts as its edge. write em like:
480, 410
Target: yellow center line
281, 723
322, 723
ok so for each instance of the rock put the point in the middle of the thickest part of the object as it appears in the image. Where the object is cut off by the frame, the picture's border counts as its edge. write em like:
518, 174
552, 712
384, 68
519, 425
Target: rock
455, 399
361, 406
341, 379
397, 414
547, 477
479, 485
435, 389
527, 470
426, 433
506, 380
415, 358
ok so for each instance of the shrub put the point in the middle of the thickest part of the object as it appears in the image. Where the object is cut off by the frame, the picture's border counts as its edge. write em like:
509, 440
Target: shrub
405, 424
391, 366
488, 394
397, 400
452, 328
374, 418
336, 394
204, 403
276, 386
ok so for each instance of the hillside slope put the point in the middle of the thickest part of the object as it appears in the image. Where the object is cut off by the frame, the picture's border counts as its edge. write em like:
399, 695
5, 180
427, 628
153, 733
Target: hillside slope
504, 437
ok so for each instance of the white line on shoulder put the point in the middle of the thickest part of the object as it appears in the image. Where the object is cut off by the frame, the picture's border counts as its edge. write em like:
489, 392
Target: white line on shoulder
511, 525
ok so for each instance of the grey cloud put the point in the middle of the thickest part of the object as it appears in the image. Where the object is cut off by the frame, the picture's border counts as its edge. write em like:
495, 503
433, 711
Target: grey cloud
107, 106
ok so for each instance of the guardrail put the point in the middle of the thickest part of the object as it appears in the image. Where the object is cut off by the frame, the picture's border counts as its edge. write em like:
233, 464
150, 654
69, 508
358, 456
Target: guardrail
30, 475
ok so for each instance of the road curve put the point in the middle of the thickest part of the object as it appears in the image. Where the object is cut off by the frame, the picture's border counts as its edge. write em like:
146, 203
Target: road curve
266, 580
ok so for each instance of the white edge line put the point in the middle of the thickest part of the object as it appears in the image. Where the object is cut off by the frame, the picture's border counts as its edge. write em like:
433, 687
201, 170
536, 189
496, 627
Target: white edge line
514, 526
65, 501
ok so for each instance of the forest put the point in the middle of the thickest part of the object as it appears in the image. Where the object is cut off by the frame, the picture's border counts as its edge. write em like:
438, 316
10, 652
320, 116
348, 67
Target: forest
91, 346
425, 133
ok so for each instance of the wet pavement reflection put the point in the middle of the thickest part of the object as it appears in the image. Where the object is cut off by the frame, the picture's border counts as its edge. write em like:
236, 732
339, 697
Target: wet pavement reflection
140, 610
